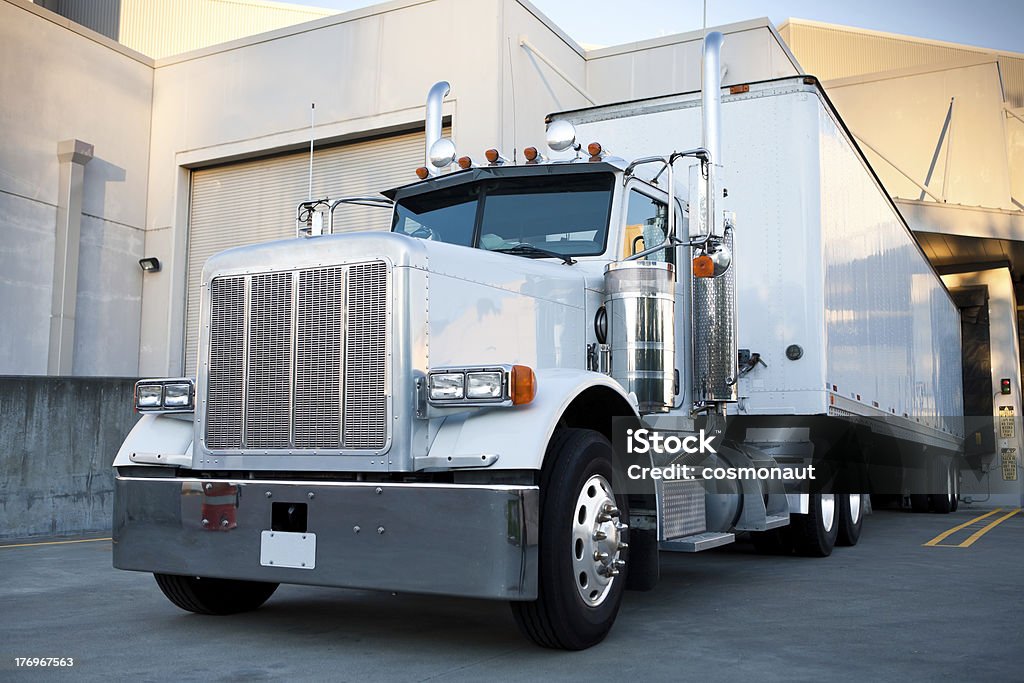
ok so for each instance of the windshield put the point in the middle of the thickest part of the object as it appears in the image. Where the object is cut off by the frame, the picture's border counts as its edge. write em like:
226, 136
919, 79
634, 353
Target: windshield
564, 214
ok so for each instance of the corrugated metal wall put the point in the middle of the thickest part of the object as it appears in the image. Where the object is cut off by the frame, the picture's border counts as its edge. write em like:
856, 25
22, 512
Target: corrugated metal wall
254, 201
831, 52
160, 28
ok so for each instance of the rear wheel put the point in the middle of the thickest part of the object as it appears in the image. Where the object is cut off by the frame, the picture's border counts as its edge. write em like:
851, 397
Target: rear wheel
814, 534
582, 549
851, 518
945, 502
214, 596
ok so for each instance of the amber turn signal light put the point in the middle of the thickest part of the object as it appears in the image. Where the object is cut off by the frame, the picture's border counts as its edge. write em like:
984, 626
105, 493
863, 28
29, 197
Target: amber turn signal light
530, 153
422, 173
703, 266
491, 155
465, 162
594, 149
523, 387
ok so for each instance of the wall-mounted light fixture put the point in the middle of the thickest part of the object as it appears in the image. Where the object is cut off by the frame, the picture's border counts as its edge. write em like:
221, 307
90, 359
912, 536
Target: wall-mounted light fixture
150, 264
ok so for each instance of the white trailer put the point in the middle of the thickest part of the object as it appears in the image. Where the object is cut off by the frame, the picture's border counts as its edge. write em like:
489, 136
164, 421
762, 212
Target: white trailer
433, 410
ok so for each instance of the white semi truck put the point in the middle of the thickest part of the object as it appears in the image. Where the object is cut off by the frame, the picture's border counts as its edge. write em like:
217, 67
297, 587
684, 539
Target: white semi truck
432, 410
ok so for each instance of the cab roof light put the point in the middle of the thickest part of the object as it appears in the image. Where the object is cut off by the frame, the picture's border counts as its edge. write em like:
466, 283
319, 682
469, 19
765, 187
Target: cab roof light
595, 151
422, 173
465, 162
494, 157
533, 156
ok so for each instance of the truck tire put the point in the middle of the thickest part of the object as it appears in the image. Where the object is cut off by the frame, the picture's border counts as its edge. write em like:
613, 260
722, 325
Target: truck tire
579, 593
944, 503
214, 596
850, 508
814, 534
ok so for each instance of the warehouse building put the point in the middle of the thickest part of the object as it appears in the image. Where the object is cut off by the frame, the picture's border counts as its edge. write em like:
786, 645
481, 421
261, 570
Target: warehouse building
121, 152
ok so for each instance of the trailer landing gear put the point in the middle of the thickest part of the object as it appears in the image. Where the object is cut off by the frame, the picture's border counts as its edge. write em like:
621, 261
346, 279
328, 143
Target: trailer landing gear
582, 545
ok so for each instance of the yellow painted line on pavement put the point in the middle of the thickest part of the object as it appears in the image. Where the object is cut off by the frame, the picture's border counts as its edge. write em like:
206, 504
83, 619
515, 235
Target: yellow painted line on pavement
81, 540
946, 534
978, 534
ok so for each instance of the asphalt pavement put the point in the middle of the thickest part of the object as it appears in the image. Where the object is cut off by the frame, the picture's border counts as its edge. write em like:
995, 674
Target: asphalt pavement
891, 608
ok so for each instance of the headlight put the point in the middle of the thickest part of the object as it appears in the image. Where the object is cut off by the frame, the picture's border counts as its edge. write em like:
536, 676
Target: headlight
149, 395
164, 395
177, 395
484, 385
447, 386
495, 385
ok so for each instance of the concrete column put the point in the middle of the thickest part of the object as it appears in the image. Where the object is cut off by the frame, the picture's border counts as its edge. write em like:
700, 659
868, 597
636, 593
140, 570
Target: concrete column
73, 156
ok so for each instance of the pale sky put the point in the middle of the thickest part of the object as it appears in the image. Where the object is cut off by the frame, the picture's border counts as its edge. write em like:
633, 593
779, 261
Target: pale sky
985, 23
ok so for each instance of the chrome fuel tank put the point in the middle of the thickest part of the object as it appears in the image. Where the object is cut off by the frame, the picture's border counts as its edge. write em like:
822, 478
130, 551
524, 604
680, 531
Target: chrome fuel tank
640, 305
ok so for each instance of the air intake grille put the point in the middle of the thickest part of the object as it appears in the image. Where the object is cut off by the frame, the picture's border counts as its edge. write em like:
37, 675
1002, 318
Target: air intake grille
297, 360
364, 358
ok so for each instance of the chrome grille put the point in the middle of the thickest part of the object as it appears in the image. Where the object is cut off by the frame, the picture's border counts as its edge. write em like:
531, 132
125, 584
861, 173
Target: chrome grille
224, 378
297, 360
365, 357
318, 347
268, 398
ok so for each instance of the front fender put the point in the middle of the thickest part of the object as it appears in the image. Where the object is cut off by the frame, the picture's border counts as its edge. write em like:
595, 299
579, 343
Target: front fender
158, 439
519, 435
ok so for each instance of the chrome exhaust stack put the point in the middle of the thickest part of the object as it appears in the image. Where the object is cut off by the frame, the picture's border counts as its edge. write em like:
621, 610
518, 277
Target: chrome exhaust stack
433, 122
715, 352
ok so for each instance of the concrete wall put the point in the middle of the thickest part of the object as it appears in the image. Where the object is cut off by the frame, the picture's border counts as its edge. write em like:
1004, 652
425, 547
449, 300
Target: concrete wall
752, 51
58, 437
61, 83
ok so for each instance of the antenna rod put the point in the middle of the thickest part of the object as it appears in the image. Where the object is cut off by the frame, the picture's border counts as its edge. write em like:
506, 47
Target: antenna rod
312, 124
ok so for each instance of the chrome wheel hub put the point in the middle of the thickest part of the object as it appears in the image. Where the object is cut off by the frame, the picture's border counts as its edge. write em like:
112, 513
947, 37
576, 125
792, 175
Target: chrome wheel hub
855, 507
828, 510
596, 541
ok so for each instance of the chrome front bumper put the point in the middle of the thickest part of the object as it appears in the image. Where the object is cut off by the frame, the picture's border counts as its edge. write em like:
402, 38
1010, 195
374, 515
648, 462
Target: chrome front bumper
448, 539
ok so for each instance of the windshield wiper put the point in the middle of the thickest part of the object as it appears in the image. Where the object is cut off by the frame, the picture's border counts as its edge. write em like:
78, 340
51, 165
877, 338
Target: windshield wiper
530, 251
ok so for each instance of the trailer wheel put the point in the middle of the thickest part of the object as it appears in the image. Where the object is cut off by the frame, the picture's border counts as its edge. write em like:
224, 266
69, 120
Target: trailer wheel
582, 554
214, 596
851, 518
944, 503
814, 534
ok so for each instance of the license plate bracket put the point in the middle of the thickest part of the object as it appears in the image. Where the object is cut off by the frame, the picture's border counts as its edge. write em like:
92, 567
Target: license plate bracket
288, 549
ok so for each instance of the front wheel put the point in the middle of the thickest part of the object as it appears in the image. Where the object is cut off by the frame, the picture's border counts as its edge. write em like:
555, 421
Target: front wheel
214, 596
582, 559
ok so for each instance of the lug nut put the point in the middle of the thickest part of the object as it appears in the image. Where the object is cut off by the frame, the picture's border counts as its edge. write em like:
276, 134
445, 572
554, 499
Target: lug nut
623, 546
600, 556
618, 564
600, 535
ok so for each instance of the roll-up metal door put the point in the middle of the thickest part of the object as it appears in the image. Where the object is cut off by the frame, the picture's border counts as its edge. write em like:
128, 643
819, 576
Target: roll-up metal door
254, 201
